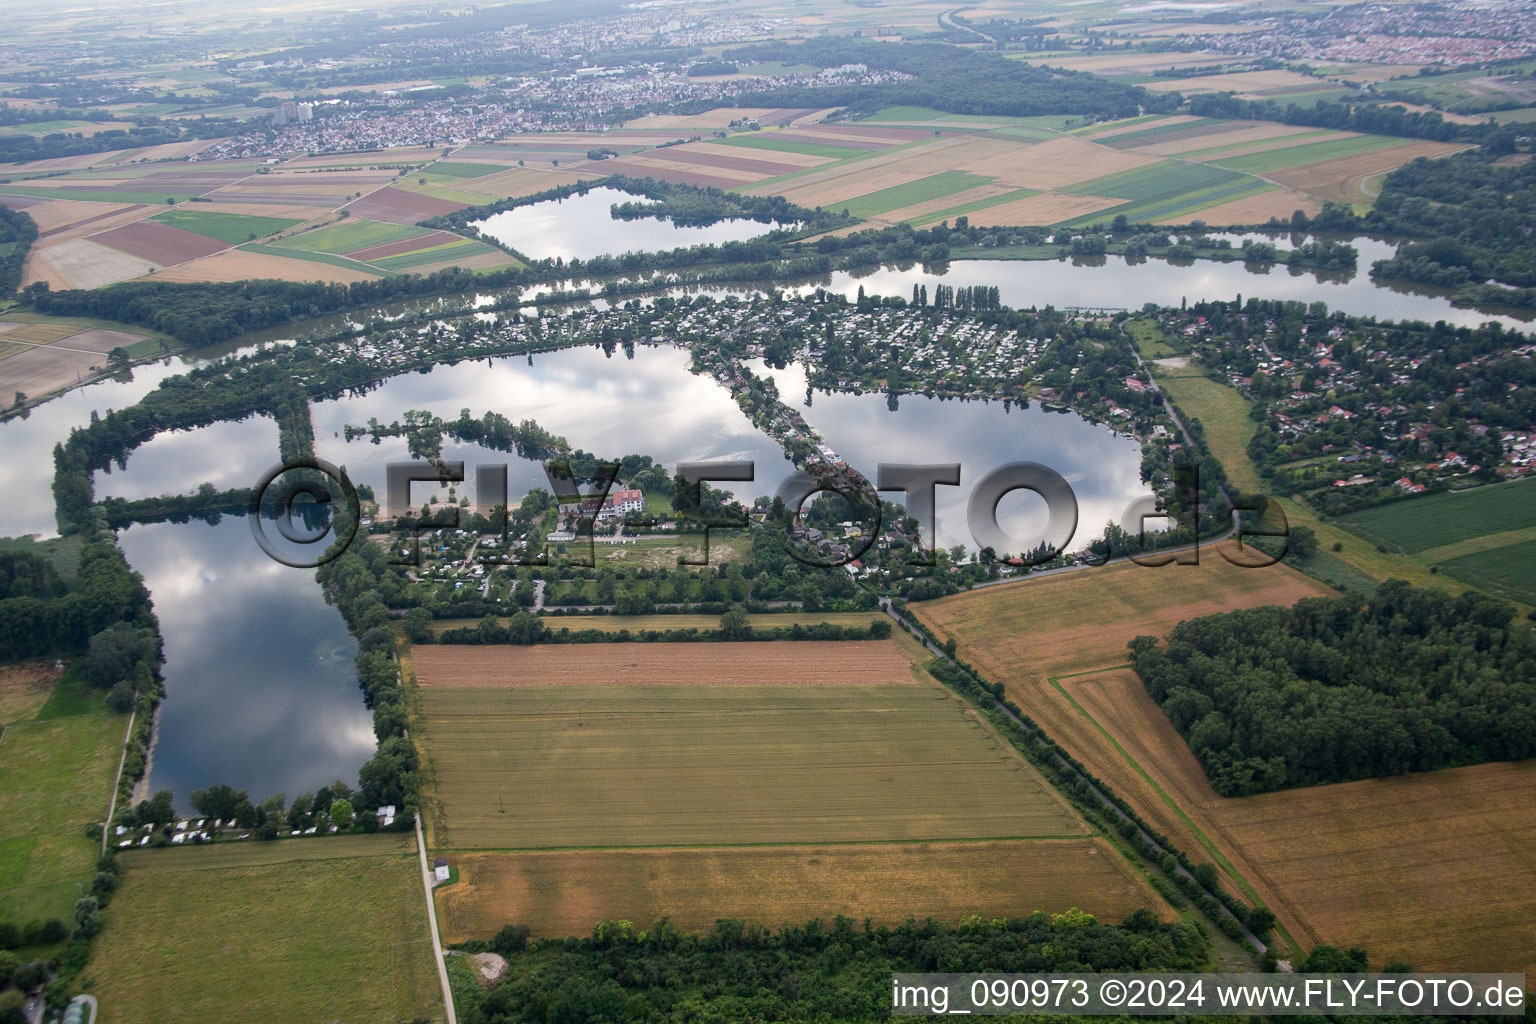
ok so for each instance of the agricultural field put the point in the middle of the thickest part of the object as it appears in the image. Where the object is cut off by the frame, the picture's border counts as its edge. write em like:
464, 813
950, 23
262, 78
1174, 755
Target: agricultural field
1484, 537
232, 228
1433, 869
1436, 520
572, 783
386, 248
1342, 864
540, 747
58, 763
328, 929
41, 354
567, 892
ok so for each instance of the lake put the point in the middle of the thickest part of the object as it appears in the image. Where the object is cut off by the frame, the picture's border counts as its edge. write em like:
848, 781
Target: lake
583, 226
261, 692
609, 406
1104, 468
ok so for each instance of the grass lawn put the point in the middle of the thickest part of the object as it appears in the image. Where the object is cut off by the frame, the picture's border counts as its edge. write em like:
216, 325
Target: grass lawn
351, 235
331, 929
1223, 413
233, 228
1152, 341
56, 775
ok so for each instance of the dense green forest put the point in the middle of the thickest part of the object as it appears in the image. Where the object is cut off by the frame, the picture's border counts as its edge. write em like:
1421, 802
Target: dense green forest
810, 972
946, 78
1474, 217
41, 617
1373, 118
1346, 688
17, 233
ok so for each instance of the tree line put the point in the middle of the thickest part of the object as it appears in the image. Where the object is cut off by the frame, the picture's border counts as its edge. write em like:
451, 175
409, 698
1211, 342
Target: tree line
18, 231
798, 973
1344, 688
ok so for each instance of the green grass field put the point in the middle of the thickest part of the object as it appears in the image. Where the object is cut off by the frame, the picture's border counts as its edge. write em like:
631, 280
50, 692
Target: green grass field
1310, 153
1145, 136
459, 250
463, 169
350, 236
332, 929
976, 204
1223, 413
1233, 146
316, 257
935, 186
1156, 181
56, 774
600, 766
1420, 524
1508, 571
233, 228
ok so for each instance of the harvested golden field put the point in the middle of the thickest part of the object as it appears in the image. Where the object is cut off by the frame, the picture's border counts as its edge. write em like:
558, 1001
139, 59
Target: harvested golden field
750, 663
697, 765
242, 264
1279, 202
1436, 869
1341, 178
567, 892
1083, 620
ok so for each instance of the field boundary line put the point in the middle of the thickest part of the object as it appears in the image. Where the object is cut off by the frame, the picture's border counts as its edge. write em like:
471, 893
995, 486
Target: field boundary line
1199, 834
665, 847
